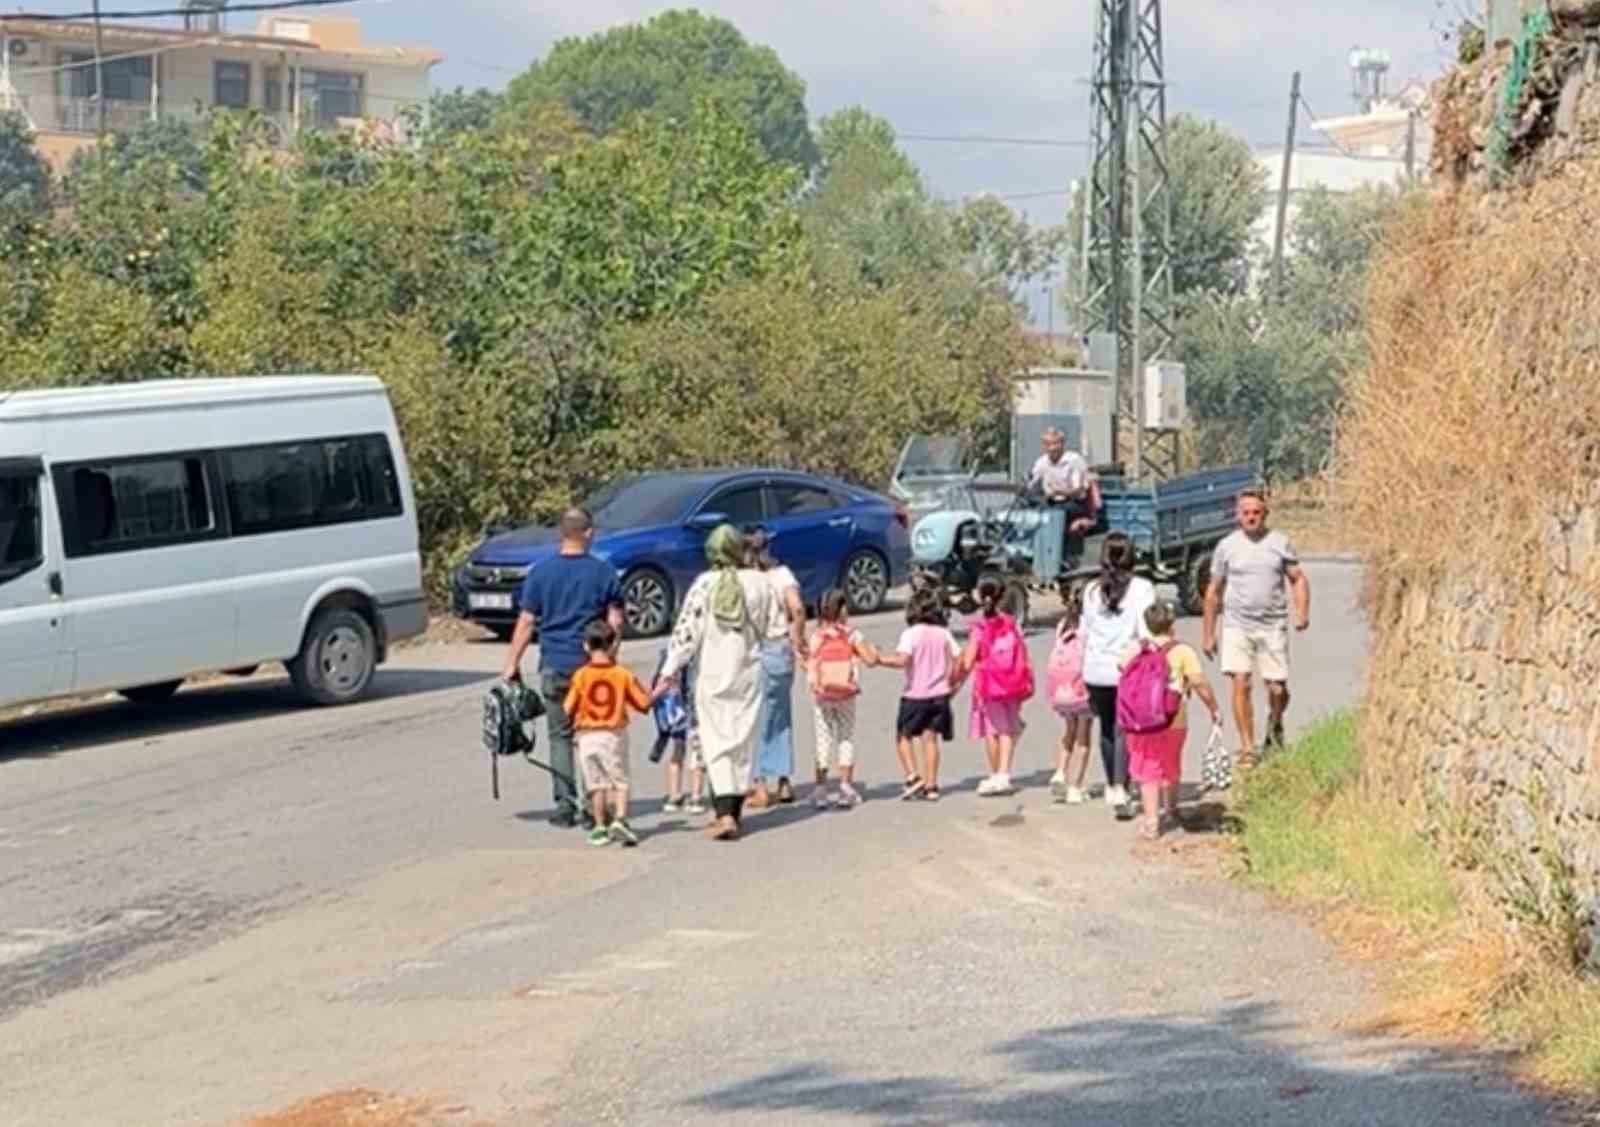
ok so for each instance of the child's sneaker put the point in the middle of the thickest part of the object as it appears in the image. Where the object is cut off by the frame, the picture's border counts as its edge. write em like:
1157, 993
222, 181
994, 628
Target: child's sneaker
1076, 796
987, 788
621, 831
599, 836
1058, 786
848, 796
1002, 785
672, 805
819, 797
695, 805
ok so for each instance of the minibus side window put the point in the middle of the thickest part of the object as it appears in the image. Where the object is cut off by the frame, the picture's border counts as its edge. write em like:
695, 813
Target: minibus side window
128, 505
309, 484
21, 522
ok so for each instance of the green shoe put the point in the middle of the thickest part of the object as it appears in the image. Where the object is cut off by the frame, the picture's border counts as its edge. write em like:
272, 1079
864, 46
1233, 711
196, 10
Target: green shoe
621, 831
599, 836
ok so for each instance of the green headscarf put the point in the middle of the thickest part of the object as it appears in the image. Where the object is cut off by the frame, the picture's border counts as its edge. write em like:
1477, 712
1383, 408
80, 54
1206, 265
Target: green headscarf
725, 553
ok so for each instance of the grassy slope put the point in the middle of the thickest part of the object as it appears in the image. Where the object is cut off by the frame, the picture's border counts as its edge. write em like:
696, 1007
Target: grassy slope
1314, 834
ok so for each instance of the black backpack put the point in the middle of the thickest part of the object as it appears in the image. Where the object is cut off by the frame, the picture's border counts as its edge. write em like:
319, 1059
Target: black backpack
509, 712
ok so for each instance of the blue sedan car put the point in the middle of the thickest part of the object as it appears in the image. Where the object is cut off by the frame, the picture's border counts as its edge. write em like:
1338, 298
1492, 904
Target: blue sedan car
652, 528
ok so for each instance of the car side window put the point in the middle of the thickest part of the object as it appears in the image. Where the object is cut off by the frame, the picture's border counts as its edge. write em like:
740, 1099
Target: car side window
21, 524
797, 500
741, 504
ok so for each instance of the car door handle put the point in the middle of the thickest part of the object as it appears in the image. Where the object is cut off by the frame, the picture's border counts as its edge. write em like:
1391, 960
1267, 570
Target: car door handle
840, 522
56, 587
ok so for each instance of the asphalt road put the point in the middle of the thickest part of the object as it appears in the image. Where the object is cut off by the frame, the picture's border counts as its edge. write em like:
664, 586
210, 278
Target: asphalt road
221, 908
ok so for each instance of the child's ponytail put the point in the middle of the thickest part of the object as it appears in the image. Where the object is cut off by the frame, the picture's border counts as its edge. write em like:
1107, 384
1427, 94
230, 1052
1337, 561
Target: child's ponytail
990, 592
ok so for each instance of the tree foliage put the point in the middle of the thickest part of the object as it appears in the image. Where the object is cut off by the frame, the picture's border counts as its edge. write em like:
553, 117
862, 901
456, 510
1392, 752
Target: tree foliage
1218, 193
24, 176
666, 66
547, 305
1266, 378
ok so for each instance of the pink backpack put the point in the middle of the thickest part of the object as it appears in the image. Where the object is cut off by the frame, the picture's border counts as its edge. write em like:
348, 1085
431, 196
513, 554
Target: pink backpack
1004, 674
1064, 678
1145, 700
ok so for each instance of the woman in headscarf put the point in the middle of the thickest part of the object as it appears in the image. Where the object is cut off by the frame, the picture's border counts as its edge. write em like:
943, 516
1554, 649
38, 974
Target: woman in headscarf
726, 614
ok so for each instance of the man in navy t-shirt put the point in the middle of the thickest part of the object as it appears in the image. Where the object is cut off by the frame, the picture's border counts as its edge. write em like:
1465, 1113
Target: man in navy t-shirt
561, 597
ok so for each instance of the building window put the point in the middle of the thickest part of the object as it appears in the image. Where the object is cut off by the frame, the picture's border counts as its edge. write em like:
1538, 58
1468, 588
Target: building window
127, 80
307, 484
124, 506
232, 84
330, 95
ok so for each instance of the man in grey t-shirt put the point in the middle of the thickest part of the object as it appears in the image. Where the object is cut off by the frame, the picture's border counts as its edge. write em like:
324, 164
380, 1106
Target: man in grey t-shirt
1255, 575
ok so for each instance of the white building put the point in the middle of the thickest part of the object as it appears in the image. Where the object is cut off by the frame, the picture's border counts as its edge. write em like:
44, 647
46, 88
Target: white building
301, 72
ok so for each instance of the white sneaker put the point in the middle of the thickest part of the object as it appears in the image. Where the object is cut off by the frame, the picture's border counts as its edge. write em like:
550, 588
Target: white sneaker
819, 797
1116, 796
1002, 785
1058, 786
986, 789
1076, 796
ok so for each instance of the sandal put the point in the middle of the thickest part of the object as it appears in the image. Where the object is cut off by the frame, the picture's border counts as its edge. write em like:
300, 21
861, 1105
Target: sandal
914, 787
725, 829
931, 794
785, 792
1147, 832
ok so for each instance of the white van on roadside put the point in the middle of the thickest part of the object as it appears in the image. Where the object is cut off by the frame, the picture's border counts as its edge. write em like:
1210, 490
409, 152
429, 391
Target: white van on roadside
151, 532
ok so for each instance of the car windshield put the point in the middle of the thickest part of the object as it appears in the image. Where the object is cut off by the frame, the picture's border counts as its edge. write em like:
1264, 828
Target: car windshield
636, 502
933, 455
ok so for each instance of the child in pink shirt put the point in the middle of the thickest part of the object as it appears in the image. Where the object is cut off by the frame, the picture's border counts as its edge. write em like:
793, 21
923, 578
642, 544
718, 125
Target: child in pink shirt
930, 655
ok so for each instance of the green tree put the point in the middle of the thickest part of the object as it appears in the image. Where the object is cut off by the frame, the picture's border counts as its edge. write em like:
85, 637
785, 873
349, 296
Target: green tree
1218, 193
666, 66
24, 176
1266, 377
453, 112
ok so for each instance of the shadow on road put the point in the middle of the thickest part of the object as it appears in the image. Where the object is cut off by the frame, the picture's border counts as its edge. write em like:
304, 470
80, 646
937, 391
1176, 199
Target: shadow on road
205, 706
1229, 1068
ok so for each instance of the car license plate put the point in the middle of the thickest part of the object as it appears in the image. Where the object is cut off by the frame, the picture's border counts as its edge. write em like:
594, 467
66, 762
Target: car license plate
489, 602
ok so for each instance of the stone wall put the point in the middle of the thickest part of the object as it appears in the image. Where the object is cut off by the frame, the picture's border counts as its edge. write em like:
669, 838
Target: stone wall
1485, 711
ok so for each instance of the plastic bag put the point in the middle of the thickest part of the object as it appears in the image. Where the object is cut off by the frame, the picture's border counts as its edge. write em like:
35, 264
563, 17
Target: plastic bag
1216, 766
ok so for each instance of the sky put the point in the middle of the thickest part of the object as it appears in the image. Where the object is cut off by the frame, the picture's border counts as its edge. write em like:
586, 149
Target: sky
1004, 68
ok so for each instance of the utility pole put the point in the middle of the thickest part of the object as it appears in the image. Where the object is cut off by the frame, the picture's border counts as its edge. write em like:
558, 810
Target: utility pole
1283, 191
1411, 145
99, 76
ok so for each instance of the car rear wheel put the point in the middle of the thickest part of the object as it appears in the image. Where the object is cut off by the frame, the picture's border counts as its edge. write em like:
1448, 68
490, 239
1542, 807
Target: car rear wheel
336, 663
866, 582
646, 603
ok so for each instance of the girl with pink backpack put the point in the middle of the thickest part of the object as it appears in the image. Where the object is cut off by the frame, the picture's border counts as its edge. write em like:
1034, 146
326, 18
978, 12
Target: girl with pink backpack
997, 654
1069, 697
1158, 674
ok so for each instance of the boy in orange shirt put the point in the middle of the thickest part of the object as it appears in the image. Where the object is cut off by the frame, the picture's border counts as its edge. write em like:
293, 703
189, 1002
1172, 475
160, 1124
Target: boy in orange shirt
598, 701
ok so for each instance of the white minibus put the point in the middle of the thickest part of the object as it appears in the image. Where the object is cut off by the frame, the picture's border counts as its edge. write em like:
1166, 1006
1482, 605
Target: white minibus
150, 532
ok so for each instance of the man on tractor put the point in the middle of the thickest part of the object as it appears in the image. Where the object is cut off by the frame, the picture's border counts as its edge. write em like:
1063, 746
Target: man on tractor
1063, 479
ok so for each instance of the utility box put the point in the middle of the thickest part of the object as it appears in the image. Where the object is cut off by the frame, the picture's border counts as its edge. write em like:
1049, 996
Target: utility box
1166, 396
1057, 397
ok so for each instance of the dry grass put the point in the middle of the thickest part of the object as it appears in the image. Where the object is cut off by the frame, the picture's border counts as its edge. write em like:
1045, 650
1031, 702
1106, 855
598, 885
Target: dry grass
1452, 968
352, 1107
1307, 512
1475, 429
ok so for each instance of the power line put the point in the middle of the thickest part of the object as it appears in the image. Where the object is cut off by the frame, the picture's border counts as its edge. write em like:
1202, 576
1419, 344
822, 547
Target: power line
978, 139
154, 13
